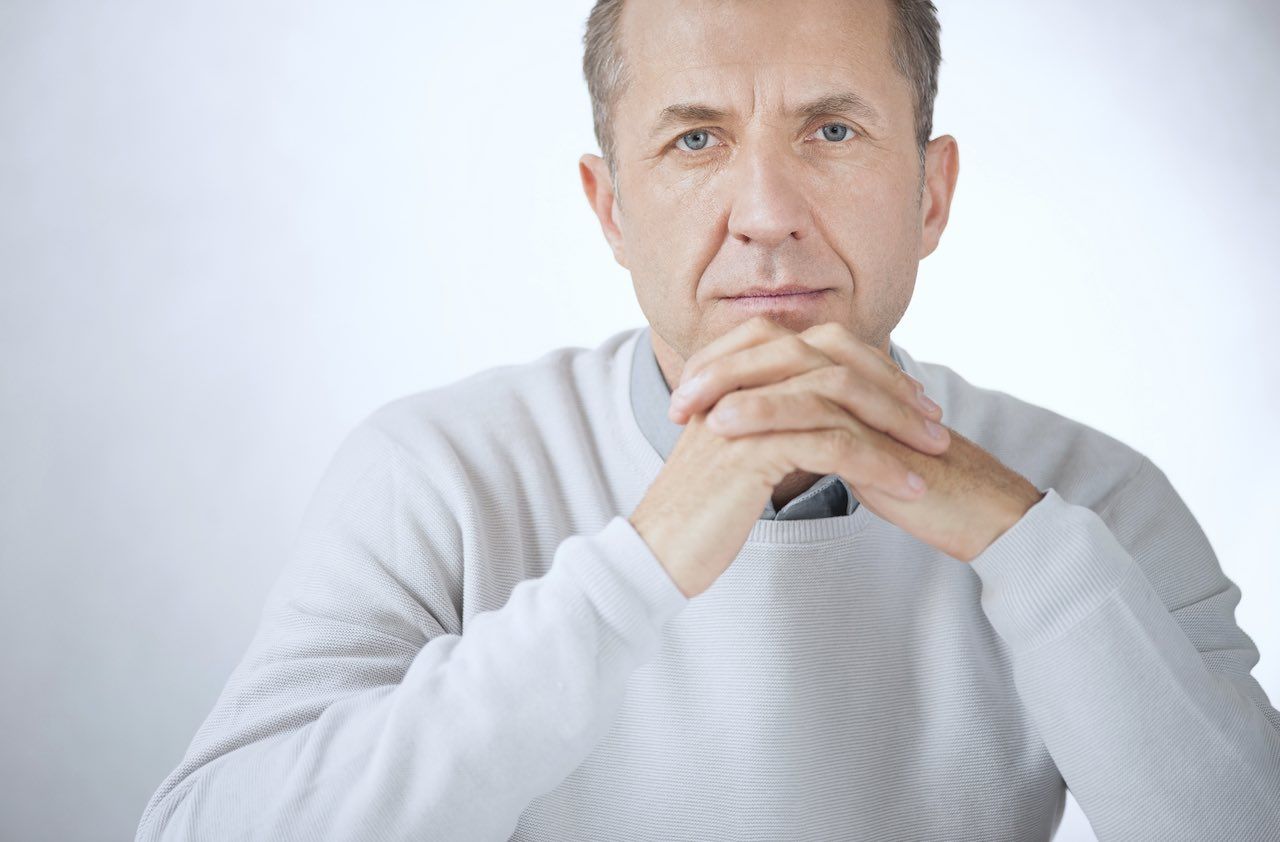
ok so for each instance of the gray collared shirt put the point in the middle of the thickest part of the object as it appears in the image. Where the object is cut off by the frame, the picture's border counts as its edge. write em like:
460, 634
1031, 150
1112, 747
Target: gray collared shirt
829, 496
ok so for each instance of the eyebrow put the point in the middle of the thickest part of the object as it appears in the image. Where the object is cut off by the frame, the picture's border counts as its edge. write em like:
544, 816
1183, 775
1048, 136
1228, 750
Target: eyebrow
839, 102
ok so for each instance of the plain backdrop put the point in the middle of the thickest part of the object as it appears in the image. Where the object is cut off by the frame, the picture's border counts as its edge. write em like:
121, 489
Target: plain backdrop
229, 231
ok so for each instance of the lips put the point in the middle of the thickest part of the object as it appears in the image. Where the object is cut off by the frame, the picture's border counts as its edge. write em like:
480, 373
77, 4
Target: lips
768, 291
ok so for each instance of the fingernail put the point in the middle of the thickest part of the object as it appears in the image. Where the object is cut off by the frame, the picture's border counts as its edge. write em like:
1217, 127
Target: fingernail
915, 481
933, 428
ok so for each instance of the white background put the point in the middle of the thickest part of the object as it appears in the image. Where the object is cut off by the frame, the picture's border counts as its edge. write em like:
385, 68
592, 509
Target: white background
229, 231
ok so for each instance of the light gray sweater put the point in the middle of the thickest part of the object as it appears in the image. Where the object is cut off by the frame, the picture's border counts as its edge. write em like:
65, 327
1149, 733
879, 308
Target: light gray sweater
469, 641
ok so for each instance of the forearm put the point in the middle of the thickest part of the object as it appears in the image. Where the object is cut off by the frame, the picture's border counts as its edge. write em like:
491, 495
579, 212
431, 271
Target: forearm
1152, 743
477, 726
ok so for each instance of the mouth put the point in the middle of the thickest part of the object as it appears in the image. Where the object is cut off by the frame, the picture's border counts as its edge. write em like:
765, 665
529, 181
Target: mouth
806, 303
787, 291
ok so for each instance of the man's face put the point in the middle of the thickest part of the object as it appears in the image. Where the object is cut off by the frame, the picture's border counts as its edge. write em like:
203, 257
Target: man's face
766, 194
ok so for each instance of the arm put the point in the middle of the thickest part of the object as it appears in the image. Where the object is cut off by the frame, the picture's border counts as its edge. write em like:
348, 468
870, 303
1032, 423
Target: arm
1120, 626
358, 713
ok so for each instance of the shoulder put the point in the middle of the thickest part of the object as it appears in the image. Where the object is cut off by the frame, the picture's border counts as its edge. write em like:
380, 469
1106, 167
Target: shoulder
1083, 463
503, 408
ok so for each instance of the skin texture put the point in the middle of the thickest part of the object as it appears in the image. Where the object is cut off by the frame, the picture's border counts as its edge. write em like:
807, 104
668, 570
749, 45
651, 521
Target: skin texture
768, 199
833, 201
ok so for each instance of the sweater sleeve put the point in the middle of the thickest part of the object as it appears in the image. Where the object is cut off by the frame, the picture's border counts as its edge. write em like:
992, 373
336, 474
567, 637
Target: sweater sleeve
354, 714
1125, 653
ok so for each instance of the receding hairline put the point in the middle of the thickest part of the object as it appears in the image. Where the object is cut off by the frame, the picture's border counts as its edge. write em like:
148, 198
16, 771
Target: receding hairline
914, 44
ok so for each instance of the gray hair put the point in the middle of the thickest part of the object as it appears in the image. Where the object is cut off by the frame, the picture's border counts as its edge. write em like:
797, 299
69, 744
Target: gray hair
915, 49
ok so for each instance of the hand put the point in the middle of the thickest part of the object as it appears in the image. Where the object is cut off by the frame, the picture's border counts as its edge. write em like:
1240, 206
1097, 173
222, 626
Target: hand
866, 382
759, 352
698, 512
971, 499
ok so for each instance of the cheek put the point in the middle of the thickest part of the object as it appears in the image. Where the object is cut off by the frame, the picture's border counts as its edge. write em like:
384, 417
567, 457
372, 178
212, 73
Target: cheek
860, 223
863, 199
668, 238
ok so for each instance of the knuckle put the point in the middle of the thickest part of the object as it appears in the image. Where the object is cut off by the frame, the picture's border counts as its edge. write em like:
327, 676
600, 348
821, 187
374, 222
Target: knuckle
860, 456
838, 442
896, 374
845, 379
852, 385
905, 388
820, 406
744, 406
910, 418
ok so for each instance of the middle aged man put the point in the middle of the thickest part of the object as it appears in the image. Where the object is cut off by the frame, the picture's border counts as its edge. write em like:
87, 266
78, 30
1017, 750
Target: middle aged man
784, 638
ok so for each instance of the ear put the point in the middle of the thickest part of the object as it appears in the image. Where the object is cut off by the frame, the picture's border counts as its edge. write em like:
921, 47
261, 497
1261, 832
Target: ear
600, 194
942, 168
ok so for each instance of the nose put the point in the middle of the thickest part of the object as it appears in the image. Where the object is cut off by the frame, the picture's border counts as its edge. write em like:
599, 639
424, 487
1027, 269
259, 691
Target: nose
768, 204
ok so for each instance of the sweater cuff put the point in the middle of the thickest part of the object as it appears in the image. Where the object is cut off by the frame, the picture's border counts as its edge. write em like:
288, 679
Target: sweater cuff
624, 579
1048, 571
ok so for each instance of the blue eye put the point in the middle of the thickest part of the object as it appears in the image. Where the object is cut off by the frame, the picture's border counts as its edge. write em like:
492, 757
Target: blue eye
705, 137
835, 126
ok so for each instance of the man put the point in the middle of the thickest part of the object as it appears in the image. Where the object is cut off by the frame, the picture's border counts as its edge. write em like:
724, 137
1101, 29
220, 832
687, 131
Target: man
555, 601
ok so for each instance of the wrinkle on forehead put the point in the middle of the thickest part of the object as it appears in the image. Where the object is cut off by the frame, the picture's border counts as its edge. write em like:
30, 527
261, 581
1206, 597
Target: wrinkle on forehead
693, 51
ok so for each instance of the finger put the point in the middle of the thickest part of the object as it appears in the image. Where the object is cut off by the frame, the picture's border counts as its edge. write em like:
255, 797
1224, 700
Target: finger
753, 331
844, 348
824, 397
758, 365
753, 411
889, 412
848, 453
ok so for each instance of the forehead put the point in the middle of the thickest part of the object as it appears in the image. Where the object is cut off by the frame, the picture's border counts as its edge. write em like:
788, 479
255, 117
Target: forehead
695, 49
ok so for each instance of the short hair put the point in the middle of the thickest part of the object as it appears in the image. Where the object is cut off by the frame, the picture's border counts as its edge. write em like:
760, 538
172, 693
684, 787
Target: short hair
914, 46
